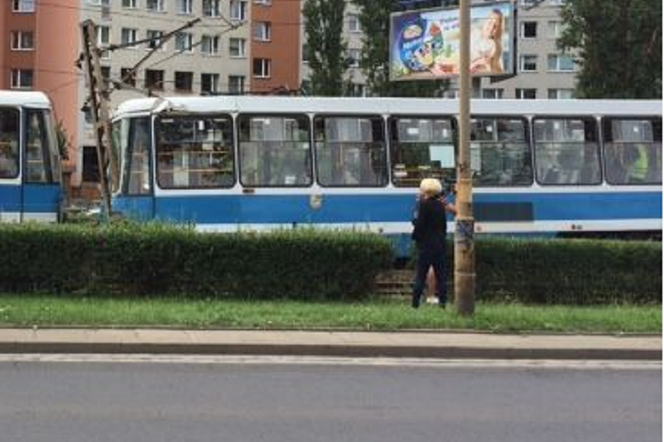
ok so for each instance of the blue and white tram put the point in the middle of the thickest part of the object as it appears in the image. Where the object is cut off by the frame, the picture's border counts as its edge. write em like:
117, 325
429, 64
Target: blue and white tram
543, 167
30, 171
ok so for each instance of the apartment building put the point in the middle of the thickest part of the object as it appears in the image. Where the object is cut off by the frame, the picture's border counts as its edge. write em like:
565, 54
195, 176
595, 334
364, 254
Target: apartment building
38, 51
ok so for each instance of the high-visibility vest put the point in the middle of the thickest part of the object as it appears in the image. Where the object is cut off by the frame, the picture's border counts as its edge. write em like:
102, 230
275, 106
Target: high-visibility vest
639, 169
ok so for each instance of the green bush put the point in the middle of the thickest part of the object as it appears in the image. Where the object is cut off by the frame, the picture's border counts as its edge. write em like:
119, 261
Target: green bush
157, 258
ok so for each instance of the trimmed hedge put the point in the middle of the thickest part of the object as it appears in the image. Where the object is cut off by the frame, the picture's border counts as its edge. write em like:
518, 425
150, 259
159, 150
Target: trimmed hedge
569, 271
304, 263
155, 259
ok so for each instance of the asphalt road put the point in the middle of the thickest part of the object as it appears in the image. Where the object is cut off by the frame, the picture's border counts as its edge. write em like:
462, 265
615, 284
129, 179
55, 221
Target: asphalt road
245, 400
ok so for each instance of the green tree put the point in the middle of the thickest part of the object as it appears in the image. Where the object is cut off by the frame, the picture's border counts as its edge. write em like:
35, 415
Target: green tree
374, 18
618, 45
63, 140
324, 20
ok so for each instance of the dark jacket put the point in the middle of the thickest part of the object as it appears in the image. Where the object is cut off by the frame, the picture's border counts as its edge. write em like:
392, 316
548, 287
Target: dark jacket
430, 225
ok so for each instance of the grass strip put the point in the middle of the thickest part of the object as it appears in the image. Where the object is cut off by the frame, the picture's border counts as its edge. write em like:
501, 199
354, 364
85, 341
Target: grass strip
379, 313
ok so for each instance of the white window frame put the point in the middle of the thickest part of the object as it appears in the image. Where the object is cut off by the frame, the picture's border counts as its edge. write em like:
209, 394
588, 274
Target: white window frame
185, 7
558, 63
354, 58
16, 79
160, 5
129, 32
263, 31
237, 84
520, 92
154, 33
522, 62
560, 94
188, 48
554, 29
242, 48
263, 2
23, 6
213, 10
238, 10
17, 41
354, 23
214, 82
129, 4
496, 93
210, 45
265, 70
522, 30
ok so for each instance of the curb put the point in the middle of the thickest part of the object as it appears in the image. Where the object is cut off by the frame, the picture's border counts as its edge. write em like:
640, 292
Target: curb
441, 345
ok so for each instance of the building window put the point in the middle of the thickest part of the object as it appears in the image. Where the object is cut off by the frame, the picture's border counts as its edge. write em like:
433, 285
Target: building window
354, 23
556, 2
263, 2
211, 8
184, 81
154, 79
90, 165
238, 10
22, 79
560, 63
128, 76
130, 4
156, 5
185, 7
237, 48
528, 63
526, 94
155, 39
529, 29
210, 45
554, 29
22, 41
305, 53
23, 5
560, 94
353, 58
209, 83
103, 35
184, 42
262, 67
357, 90
236, 84
263, 31
492, 93
128, 36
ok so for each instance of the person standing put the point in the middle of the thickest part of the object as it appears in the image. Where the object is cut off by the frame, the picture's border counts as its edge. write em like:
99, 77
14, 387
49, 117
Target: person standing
429, 233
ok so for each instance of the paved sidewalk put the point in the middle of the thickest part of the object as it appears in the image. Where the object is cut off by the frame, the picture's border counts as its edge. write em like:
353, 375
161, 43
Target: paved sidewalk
332, 343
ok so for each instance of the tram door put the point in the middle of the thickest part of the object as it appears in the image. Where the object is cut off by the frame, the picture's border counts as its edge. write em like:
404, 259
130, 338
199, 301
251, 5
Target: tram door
41, 188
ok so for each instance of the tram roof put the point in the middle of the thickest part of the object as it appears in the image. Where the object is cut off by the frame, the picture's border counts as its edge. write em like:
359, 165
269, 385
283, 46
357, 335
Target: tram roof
24, 98
396, 106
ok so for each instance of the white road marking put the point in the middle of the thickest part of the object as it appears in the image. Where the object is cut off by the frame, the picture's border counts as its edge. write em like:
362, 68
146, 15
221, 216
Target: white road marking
321, 360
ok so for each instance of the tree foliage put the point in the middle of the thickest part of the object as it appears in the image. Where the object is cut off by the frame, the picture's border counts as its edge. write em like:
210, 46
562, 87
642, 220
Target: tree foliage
619, 47
374, 18
324, 21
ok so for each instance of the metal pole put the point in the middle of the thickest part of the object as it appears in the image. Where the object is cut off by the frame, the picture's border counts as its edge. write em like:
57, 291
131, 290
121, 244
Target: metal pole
464, 247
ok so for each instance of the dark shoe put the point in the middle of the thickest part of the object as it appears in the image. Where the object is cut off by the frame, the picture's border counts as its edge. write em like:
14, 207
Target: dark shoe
415, 303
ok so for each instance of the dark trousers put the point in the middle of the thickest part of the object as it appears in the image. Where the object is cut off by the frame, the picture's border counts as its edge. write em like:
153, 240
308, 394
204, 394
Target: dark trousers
430, 258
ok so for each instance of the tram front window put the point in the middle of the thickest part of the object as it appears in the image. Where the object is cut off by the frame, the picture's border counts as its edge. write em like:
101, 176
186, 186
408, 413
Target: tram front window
9, 124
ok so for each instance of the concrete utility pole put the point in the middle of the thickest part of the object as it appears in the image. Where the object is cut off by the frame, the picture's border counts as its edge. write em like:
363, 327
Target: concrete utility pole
464, 246
99, 100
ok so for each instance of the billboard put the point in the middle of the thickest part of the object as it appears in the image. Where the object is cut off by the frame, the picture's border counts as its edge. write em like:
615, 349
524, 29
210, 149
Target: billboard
425, 44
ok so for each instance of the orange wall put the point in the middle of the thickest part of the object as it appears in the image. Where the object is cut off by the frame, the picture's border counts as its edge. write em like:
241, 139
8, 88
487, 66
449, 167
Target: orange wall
283, 50
57, 35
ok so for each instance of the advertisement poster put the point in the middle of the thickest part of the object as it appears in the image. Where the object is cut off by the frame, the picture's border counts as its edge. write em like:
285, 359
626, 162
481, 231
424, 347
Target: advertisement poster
425, 44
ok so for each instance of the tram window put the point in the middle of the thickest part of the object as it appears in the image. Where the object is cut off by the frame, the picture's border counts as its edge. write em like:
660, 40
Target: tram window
499, 152
632, 150
275, 151
38, 148
350, 151
9, 142
566, 151
194, 151
422, 148
134, 142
